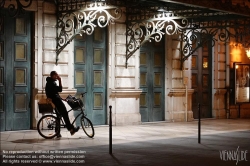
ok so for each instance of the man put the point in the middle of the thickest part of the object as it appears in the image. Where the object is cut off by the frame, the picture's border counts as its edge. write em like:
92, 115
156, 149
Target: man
52, 90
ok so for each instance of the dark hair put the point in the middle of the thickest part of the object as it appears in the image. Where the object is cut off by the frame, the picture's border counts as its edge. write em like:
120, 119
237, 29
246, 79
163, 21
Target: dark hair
52, 73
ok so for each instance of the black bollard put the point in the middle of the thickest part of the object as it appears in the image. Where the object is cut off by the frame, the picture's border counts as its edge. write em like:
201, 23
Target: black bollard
110, 129
199, 124
239, 112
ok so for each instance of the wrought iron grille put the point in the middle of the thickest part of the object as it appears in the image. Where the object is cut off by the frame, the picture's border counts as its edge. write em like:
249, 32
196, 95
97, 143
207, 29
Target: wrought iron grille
73, 5
239, 29
16, 7
84, 20
148, 20
146, 23
153, 28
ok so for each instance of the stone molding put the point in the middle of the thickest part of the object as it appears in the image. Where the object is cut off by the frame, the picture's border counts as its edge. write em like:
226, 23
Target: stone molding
179, 92
220, 92
125, 93
40, 93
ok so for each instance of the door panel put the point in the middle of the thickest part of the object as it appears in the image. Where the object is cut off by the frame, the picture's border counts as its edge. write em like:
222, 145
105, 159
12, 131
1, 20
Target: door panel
202, 78
152, 82
90, 73
15, 73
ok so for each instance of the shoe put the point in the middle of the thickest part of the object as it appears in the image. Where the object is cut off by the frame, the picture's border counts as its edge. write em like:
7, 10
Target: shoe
58, 135
74, 130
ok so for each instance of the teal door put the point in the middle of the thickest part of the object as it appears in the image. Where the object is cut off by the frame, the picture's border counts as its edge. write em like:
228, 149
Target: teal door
152, 81
90, 73
15, 73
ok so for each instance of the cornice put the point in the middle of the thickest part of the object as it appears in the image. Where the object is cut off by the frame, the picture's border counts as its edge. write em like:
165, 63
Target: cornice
125, 93
179, 92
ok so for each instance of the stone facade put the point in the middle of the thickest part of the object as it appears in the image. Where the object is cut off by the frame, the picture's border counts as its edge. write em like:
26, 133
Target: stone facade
123, 83
220, 60
178, 103
44, 52
123, 87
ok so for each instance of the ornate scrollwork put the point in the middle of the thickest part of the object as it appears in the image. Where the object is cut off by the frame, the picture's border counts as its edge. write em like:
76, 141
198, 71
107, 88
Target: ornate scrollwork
192, 42
151, 21
152, 29
85, 21
16, 8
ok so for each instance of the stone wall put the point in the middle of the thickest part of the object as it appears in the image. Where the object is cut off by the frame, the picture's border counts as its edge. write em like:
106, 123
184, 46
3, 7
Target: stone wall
123, 83
45, 57
123, 87
175, 96
219, 59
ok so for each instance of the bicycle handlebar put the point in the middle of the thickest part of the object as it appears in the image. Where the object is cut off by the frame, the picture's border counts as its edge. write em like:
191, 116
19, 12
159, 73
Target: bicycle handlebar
83, 93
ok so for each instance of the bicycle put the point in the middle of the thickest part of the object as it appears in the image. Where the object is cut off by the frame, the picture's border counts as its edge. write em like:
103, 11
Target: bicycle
49, 125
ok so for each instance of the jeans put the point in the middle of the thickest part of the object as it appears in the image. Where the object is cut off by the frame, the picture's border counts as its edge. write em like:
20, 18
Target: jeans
63, 111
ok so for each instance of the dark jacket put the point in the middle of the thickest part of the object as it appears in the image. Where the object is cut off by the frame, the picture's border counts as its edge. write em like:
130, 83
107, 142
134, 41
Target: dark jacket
52, 89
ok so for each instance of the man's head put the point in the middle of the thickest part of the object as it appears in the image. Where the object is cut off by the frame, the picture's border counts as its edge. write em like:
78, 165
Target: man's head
53, 75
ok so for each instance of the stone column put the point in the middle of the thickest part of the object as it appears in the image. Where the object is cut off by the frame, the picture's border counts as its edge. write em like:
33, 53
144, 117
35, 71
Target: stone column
123, 86
219, 80
174, 83
45, 57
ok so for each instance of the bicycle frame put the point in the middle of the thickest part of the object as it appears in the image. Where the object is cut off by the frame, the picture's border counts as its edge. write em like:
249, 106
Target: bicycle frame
58, 115
54, 121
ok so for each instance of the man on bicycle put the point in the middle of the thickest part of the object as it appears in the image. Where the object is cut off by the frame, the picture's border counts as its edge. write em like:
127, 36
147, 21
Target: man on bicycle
52, 90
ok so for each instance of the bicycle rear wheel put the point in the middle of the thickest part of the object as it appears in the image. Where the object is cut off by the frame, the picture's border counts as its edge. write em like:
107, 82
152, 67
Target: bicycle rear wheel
48, 126
87, 127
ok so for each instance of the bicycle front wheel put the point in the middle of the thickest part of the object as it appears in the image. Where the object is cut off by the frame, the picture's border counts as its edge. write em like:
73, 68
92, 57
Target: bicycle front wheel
87, 127
48, 126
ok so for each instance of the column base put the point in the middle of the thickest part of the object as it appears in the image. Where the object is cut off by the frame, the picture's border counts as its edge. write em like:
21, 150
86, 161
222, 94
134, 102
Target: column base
126, 119
179, 116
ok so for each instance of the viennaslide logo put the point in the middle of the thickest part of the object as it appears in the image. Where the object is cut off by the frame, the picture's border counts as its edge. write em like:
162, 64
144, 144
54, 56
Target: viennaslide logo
234, 155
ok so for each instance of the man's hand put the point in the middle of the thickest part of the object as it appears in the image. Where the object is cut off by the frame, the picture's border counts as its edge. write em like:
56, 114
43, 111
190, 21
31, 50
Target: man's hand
64, 99
59, 78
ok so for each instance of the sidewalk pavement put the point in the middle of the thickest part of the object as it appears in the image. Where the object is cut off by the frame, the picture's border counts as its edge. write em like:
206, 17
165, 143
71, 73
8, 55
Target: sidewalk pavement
224, 142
